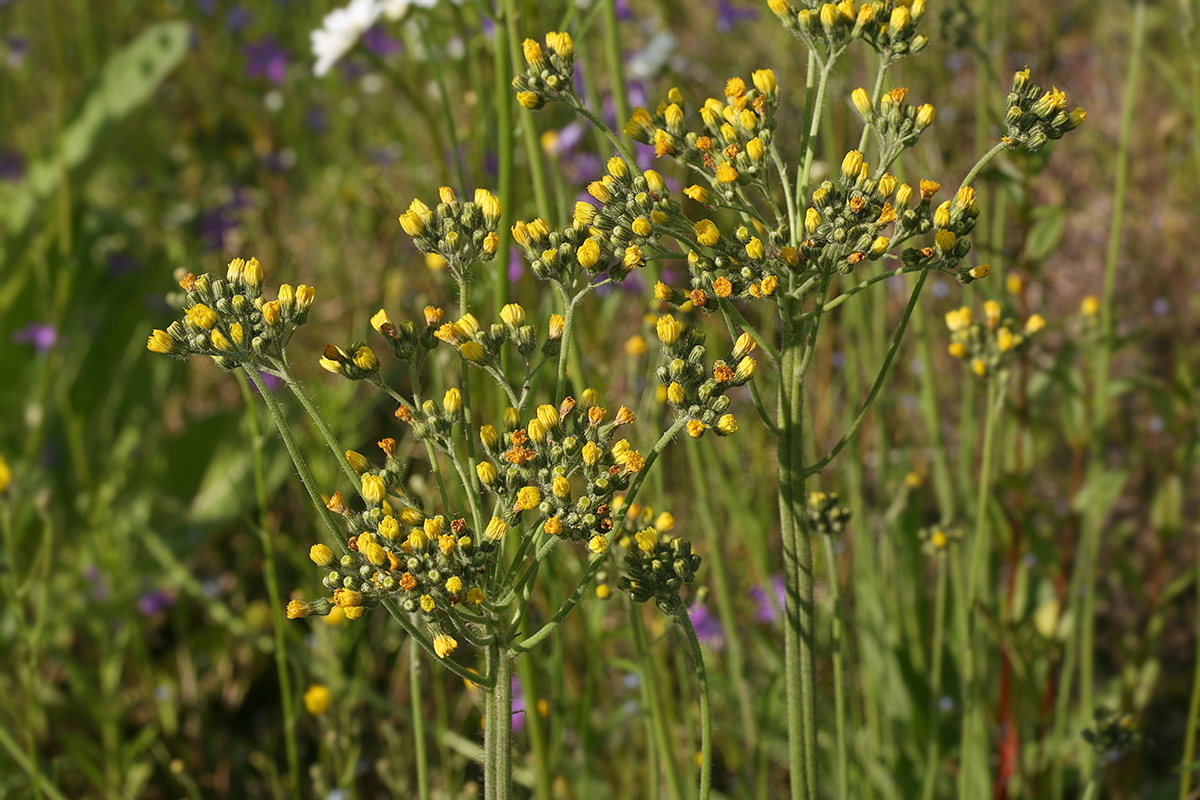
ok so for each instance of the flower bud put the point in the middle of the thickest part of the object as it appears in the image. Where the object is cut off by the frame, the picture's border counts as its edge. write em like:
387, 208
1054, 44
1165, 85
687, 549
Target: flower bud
668, 329
862, 101
321, 555
513, 315
452, 402
764, 81
533, 55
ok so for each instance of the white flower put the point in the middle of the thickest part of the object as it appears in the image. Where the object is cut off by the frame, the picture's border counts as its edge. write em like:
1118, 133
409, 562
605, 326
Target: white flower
395, 9
340, 31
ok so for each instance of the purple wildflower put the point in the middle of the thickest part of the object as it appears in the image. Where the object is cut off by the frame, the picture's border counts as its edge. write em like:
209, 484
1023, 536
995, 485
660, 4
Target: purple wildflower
122, 264
516, 265
518, 705
18, 49
729, 15
215, 225
316, 119
770, 606
378, 42
708, 627
155, 602
272, 383
42, 337
238, 18
12, 166
265, 58
624, 13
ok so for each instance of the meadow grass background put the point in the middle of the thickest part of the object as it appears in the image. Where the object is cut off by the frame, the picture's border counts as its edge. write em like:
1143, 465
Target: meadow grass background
142, 570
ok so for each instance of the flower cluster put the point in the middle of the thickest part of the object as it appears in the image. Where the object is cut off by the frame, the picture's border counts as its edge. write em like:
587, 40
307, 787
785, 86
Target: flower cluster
231, 320
658, 567
461, 233
731, 149
427, 564
695, 393
888, 26
634, 208
989, 344
826, 515
549, 75
1032, 117
562, 465
896, 124
1112, 735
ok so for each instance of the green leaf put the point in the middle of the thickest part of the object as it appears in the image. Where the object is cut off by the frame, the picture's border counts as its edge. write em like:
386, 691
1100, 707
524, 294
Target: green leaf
125, 82
1046, 232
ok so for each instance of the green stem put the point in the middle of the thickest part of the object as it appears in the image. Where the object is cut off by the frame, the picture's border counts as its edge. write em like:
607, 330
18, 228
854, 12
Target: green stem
414, 685
616, 66
444, 97
533, 150
979, 552
497, 729
1189, 745
839, 690
935, 683
585, 580
799, 639
285, 370
725, 605
880, 75
879, 379
652, 693
685, 622
274, 597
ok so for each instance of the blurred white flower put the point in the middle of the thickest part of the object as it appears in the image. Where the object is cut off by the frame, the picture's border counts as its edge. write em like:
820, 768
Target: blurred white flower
395, 9
340, 31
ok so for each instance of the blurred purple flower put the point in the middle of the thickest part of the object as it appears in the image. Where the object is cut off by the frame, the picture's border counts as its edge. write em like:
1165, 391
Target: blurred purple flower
154, 602
708, 627
624, 13
42, 337
206, 7
378, 42
316, 119
273, 383
12, 166
215, 225
518, 705
18, 48
121, 264
96, 578
238, 18
729, 15
516, 265
488, 26
265, 58
770, 606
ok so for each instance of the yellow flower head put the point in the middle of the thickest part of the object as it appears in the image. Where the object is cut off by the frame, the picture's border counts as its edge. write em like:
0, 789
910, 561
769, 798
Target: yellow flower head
317, 699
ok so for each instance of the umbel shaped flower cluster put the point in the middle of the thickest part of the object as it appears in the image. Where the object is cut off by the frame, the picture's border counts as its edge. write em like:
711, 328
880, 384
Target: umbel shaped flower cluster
230, 319
888, 27
731, 147
562, 465
826, 514
548, 75
427, 563
658, 567
1033, 117
988, 345
463, 234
